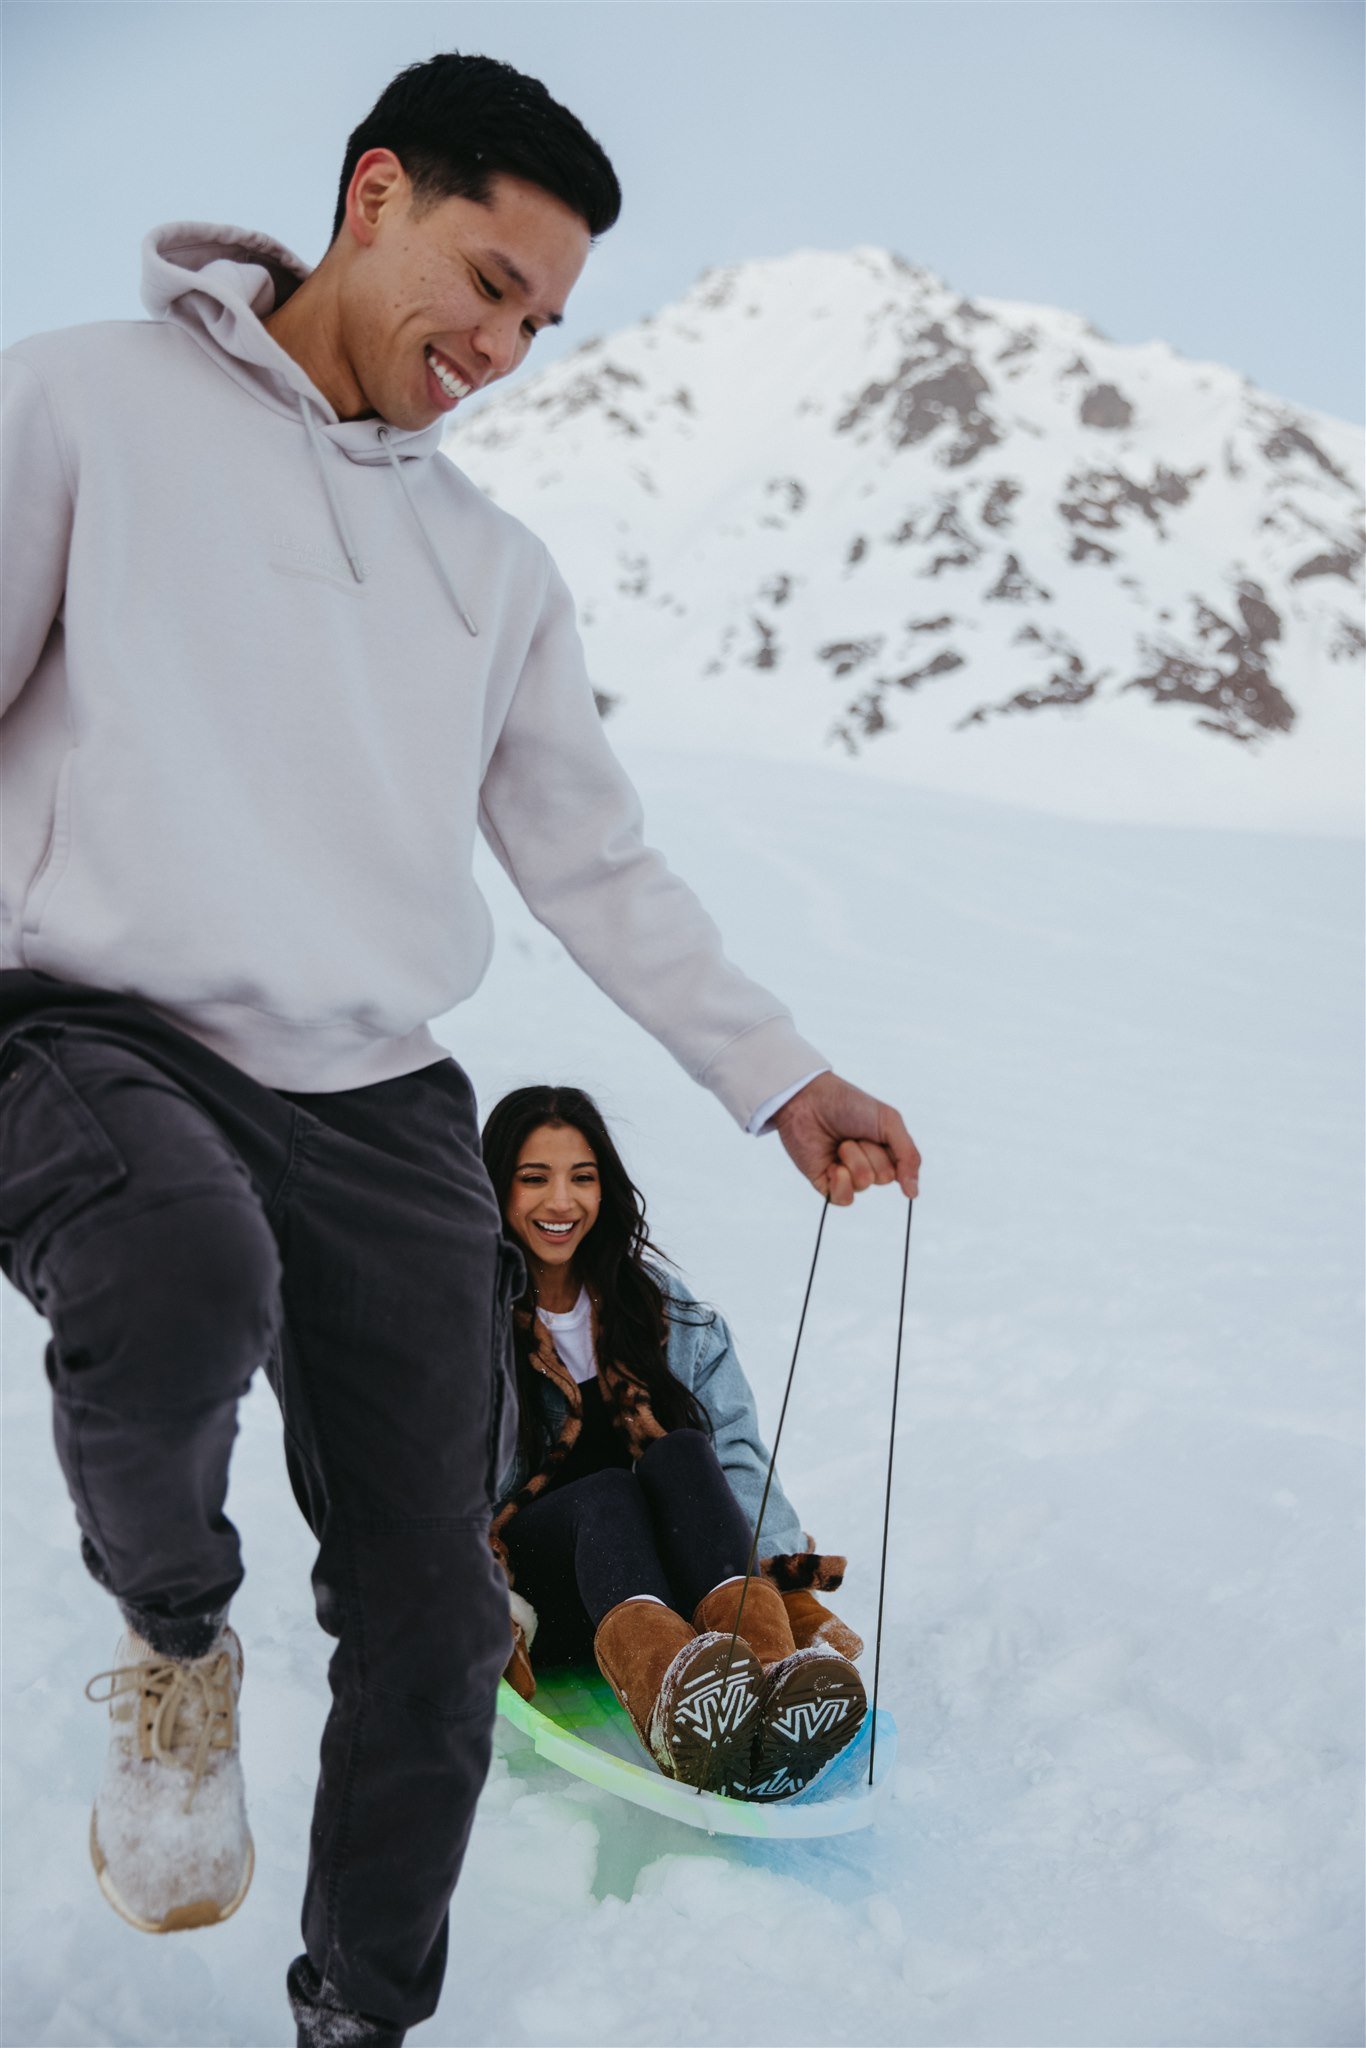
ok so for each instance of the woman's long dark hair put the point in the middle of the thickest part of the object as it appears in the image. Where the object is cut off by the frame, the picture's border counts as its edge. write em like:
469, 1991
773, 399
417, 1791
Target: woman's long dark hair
634, 1314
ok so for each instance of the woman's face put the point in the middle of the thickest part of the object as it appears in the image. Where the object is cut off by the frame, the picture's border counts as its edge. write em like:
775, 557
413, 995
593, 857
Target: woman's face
555, 1194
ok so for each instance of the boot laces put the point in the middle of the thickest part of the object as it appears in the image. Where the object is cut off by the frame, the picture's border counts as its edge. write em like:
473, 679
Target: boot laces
203, 1687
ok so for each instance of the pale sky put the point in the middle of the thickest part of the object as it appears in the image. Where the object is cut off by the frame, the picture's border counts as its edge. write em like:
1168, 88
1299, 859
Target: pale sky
1185, 169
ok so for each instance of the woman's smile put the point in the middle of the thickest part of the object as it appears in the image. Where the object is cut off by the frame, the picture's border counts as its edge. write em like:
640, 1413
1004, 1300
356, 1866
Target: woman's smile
556, 1232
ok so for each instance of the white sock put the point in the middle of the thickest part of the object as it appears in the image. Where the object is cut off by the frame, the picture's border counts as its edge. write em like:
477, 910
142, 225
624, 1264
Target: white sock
647, 1596
735, 1579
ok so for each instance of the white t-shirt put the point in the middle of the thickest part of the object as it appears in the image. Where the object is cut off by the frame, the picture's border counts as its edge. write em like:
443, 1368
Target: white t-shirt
572, 1335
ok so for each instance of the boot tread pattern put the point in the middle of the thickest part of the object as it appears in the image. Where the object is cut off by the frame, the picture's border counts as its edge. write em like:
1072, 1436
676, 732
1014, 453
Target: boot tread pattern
811, 1711
707, 1722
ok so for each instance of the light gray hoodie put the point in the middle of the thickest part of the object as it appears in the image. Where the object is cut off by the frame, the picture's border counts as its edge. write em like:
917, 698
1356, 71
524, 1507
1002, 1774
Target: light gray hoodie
264, 671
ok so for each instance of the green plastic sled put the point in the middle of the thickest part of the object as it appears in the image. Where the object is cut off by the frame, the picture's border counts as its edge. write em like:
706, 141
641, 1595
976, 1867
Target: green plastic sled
576, 1722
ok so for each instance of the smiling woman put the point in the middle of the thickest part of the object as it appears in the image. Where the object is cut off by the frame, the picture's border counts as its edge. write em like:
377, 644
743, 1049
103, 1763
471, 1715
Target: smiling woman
553, 1202
627, 1521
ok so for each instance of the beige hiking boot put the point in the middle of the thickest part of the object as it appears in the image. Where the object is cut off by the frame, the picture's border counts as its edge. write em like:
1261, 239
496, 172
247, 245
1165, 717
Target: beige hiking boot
168, 1836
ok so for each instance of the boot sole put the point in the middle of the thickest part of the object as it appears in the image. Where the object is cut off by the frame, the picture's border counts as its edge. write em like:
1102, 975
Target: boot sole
709, 1729
809, 1716
197, 1913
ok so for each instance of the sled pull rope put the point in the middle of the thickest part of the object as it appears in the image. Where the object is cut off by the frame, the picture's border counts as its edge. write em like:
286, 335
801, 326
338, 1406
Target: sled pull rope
768, 1482
887, 1509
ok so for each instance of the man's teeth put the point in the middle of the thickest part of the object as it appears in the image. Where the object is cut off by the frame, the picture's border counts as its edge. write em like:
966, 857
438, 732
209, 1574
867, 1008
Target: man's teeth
453, 386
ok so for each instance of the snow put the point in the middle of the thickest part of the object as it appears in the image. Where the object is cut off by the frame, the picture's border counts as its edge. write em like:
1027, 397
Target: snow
1124, 1599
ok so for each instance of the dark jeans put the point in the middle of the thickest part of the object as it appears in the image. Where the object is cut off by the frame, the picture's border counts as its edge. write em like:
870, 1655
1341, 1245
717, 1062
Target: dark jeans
671, 1526
180, 1225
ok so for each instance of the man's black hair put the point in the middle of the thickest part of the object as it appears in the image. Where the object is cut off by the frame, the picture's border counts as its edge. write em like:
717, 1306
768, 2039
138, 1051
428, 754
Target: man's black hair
456, 123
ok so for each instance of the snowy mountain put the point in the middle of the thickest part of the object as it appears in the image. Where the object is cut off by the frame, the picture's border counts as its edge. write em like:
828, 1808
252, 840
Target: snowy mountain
826, 507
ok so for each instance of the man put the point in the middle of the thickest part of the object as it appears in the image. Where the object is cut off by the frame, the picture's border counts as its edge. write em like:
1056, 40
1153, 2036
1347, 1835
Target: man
268, 660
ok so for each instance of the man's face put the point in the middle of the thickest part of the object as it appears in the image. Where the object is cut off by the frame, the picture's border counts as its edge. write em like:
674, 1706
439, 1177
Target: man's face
440, 302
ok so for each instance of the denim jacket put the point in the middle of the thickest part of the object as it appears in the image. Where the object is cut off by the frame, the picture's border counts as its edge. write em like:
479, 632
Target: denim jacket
702, 1355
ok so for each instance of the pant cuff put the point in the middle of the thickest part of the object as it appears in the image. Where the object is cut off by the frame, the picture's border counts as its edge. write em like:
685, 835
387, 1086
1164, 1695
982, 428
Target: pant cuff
183, 1637
324, 2022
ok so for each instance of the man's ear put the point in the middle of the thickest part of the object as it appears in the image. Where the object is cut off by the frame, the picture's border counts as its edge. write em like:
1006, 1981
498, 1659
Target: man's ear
378, 181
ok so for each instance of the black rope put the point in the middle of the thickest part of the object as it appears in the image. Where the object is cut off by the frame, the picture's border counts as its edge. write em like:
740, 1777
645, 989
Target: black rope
768, 1482
887, 1510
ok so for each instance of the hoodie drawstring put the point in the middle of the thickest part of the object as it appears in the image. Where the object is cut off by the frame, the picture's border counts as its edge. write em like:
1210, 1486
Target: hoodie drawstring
432, 549
339, 518
333, 503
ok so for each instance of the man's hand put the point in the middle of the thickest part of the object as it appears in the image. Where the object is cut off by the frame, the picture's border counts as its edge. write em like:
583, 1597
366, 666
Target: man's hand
845, 1141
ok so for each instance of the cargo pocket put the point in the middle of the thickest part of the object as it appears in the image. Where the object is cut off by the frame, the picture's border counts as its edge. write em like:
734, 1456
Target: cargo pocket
508, 1282
55, 1158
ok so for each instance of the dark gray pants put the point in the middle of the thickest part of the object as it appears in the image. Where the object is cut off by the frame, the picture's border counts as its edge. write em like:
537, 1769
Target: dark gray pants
180, 1225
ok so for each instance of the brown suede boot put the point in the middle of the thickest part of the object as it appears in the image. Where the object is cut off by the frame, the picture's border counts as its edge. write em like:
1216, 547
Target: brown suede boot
812, 1622
692, 1702
812, 1702
763, 1624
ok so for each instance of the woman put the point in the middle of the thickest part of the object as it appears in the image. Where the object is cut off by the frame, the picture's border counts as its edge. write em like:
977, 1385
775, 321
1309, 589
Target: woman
626, 1521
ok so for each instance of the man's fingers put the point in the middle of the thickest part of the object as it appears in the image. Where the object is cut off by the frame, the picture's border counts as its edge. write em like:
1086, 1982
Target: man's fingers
846, 1141
865, 1163
905, 1154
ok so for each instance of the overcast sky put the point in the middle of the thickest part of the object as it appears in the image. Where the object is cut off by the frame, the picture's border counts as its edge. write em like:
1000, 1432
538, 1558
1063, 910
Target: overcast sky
1185, 169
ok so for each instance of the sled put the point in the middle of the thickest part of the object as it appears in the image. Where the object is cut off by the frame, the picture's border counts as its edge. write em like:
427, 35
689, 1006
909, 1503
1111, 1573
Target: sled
576, 1722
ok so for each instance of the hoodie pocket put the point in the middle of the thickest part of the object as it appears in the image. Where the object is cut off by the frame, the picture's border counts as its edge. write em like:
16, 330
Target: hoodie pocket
53, 863
509, 1279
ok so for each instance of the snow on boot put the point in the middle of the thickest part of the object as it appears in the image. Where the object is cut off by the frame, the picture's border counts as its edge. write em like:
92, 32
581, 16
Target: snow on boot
812, 1702
324, 2022
692, 1703
168, 1836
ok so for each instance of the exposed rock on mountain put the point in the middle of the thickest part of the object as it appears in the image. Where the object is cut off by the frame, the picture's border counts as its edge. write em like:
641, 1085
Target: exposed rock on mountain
759, 495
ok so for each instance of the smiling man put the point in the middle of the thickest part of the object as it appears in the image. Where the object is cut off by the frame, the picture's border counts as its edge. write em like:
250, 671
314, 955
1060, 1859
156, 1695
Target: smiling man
421, 301
270, 660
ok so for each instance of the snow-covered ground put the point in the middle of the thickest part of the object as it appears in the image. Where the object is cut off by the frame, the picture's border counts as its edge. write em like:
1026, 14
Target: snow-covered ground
1123, 1639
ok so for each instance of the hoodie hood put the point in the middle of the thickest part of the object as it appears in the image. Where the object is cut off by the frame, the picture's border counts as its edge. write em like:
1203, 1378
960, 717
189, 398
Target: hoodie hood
219, 283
